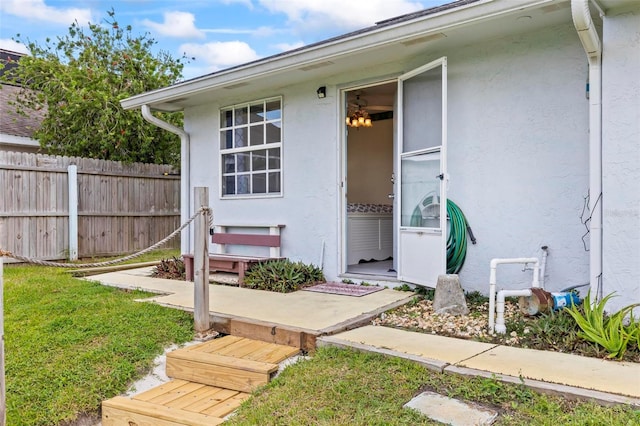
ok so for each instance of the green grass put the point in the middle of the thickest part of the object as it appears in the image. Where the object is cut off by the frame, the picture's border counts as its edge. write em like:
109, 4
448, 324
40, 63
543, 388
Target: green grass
71, 343
344, 387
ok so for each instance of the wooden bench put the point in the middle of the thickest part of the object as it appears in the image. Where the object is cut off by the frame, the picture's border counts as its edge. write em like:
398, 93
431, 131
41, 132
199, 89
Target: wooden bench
222, 261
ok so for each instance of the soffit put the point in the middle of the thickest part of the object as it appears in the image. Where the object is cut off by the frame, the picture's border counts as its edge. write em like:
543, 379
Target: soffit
395, 47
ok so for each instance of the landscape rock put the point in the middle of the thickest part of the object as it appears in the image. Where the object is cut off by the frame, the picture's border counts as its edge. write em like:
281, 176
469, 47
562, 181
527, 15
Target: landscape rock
449, 296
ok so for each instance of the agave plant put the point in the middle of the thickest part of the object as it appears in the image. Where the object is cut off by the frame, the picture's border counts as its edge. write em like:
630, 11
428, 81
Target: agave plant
633, 329
609, 332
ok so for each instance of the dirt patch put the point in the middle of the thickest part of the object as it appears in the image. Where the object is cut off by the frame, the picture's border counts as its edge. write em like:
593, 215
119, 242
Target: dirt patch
84, 419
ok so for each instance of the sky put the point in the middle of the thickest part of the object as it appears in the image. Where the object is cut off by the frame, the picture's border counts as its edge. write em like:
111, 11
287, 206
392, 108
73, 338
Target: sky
218, 33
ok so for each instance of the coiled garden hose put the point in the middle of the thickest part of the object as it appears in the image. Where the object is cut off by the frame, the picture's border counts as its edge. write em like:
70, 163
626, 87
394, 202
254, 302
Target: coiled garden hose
459, 230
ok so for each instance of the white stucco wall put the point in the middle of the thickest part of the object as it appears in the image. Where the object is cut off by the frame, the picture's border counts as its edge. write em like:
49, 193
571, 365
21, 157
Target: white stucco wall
621, 157
518, 158
310, 169
518, 154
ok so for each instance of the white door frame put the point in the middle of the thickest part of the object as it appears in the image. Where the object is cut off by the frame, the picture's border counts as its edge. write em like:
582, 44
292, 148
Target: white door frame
342, 158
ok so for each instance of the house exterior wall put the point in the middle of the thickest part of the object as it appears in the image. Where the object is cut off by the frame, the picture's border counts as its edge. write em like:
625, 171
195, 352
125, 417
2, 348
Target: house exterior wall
518, 158
621, 157
518, 154
12, 143
310, 173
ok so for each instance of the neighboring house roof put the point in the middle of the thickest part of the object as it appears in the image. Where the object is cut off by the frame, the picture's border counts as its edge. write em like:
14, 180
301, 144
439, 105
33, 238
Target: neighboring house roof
12, 123
16, 130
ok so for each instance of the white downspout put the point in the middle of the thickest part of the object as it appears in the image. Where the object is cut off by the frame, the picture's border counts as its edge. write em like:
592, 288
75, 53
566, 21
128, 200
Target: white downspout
185, 244
592, 46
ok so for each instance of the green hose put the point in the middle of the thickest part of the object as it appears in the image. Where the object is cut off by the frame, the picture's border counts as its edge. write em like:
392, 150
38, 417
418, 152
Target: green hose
459, 230
457, 240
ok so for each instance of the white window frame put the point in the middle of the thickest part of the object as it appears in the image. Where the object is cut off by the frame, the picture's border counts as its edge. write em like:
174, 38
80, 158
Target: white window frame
249, 149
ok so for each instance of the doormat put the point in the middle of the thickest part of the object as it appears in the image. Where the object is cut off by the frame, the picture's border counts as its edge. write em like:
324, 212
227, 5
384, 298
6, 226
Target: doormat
343, 289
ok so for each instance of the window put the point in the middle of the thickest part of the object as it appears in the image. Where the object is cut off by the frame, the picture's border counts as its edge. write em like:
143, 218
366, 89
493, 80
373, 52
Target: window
251, 148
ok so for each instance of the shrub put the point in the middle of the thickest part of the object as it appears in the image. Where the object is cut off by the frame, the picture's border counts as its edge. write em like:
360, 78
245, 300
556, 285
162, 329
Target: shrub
283, 276
170, 268
608, 332
555, 330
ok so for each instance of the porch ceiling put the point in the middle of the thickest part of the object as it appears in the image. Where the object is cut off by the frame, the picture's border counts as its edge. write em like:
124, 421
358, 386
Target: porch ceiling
394, 49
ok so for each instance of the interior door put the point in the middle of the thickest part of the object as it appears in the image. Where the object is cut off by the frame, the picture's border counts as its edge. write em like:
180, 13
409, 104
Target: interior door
422, 174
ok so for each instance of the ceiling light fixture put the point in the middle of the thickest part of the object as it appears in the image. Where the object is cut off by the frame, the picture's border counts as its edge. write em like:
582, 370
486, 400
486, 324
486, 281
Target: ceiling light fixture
357, 116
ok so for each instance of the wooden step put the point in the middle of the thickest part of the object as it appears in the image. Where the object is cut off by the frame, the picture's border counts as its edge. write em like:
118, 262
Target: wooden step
229, 362
177, 402
211, 380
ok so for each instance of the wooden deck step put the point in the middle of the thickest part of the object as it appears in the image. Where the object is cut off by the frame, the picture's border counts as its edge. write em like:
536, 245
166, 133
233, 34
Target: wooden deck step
210, 380
229, 362
177, 402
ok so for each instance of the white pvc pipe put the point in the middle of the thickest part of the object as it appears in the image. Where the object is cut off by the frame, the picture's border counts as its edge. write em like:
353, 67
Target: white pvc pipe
543, 265
492, 281
500, 327
593, 48
185, 171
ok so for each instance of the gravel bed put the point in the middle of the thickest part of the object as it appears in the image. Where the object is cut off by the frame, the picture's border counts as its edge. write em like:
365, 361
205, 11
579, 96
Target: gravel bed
420, 316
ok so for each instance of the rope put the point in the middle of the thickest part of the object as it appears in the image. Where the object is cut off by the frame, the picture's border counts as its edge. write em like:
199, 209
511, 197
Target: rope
204, 210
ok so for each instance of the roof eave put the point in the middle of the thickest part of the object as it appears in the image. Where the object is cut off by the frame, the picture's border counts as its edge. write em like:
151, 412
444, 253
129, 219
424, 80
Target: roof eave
326, 51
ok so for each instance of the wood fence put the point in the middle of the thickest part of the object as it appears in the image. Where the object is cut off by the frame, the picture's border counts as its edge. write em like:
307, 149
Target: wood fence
122, 208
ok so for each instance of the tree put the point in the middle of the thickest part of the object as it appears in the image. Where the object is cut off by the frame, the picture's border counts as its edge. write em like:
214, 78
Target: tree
81, 78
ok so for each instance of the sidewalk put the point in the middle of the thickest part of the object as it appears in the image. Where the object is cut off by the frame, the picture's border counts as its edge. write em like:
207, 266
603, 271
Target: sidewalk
572, 376
330, 315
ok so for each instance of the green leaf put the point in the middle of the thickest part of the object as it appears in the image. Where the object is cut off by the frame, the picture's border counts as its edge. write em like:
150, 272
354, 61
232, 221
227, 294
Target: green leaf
608, 332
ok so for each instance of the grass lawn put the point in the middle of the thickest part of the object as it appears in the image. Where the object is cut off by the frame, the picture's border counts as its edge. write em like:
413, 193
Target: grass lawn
71, 343
345, 387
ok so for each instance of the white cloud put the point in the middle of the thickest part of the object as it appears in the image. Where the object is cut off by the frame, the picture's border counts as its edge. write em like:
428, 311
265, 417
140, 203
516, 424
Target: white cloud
244, 2
267, 31
38, 10
14, 46
176, 24
317, 15
288, 46
220, 55
263, 31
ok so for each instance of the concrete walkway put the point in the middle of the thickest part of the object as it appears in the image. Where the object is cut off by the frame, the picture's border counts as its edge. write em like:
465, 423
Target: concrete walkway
317, 312
570, 375
329, 315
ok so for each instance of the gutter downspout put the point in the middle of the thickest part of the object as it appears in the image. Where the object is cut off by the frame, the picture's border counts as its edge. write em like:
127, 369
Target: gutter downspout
593, 48
184, 172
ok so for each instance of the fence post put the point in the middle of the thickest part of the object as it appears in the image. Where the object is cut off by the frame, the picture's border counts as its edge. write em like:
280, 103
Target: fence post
201, 262
72, 171
3, 395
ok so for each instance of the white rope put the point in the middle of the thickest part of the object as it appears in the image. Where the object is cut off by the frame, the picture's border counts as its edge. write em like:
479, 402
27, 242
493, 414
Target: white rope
203, 210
